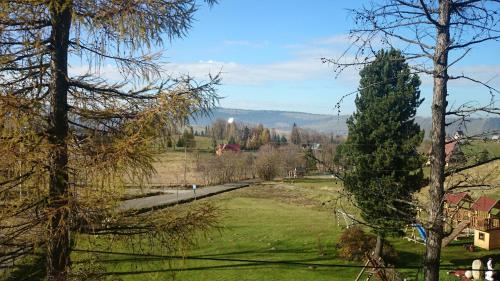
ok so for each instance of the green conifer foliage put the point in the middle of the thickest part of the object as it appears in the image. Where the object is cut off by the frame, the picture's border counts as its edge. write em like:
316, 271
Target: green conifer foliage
383, 168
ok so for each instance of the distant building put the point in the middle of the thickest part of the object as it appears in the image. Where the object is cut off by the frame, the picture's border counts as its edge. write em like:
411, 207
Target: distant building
297, 172
495, 138
459, 135
450, 148
452, 152
221, 148
313, 146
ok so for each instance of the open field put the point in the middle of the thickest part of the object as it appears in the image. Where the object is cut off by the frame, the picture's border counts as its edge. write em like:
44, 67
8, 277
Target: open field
283, 230
272, 231
170, 167
171, 164
492, 147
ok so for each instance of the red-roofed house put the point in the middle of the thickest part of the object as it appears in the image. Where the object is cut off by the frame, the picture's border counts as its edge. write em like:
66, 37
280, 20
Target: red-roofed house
450, 148
221, 148
486, 223
451, 151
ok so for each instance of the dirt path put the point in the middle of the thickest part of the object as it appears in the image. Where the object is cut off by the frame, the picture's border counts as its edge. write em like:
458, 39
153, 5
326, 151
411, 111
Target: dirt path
146, 204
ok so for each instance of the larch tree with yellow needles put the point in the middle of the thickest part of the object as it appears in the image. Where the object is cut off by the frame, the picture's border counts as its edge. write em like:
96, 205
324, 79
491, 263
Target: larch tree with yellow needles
68, 142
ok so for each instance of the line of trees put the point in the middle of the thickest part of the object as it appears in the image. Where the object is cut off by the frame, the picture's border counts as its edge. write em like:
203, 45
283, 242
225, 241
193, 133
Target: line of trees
248, 137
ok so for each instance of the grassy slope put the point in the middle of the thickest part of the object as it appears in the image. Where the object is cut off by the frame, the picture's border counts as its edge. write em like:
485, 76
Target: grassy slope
255, 228
272, 222
493, 148
284, 222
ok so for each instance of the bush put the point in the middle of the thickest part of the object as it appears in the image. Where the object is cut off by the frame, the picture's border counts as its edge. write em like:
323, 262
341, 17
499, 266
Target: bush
274, 161
229, 167
267, 162
354, 243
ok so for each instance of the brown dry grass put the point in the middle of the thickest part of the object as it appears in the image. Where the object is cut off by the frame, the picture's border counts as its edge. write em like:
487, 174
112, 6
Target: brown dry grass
488, 174
170, 169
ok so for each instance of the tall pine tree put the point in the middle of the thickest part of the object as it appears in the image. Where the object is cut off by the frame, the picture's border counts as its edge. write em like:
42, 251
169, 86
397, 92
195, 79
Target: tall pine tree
383, 166
295, 135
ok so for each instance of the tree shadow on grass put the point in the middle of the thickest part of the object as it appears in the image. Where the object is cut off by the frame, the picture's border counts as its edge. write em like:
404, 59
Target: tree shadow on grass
410, 259
228, 262
32, 268
483, 256
253, 265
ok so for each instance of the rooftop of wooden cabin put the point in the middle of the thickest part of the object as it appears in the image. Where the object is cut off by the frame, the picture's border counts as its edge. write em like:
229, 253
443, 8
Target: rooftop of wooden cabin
486, 204
457, 198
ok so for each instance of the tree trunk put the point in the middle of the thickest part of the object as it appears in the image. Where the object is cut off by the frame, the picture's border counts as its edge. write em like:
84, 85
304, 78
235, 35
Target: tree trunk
58, 244
436, 191
379, 247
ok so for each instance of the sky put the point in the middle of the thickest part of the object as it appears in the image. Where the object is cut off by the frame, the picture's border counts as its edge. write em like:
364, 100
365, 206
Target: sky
268, 53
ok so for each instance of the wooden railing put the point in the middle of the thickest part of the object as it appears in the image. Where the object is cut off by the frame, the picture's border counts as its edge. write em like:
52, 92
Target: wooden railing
463, 215
485, 224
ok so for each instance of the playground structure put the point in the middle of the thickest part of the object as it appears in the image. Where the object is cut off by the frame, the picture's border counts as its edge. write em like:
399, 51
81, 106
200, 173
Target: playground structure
349, 219
417, 234
482, 216
464, 218
486, 223
457, 207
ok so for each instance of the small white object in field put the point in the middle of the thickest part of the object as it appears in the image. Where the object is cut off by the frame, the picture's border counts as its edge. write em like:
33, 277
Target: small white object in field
230, 120
489, 275
477, 267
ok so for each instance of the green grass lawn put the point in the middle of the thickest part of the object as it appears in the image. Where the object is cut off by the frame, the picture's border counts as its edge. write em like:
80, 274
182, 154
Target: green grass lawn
270, 232
493, 148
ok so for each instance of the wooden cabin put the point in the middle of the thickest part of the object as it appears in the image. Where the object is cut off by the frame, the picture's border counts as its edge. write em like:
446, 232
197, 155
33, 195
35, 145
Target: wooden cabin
457, 207
486, 223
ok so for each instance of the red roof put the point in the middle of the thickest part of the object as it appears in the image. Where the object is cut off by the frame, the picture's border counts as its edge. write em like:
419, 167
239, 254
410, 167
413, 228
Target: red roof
455, 198
227, 147
233, 147
449, 148
485, 204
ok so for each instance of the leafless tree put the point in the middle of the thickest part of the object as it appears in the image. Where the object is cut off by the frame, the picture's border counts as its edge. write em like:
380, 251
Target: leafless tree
435, 35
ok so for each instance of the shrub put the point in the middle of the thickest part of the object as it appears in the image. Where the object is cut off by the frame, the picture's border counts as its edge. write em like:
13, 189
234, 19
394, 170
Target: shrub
354, 243
274, 161
229, 167
267, 162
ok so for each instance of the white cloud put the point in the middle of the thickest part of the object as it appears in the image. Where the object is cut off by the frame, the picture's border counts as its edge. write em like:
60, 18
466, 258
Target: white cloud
339, 39
295, 70
304, 64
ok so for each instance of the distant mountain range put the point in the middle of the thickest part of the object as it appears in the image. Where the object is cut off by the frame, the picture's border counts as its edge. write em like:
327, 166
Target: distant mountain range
283, 121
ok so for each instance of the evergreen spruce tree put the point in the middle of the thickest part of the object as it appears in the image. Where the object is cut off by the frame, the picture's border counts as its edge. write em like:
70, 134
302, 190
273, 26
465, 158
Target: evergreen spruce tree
295, 135
383, 168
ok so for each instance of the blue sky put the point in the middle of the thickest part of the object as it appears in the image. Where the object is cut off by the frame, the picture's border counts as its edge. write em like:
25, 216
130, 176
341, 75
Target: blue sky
269, 53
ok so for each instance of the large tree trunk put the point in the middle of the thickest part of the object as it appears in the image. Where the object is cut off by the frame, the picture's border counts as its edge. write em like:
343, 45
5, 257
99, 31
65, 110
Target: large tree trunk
58, 244
436, 191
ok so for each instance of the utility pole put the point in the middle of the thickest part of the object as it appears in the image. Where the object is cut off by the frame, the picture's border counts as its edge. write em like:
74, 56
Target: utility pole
185, 163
